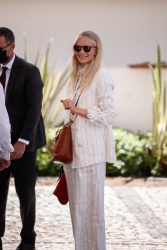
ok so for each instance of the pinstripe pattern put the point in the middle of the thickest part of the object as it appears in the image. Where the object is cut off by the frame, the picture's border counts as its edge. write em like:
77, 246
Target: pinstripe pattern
93, 145
93, 141
86, 201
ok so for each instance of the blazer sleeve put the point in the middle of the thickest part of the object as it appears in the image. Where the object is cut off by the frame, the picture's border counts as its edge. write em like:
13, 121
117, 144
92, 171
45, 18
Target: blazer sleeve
33, 96
103, 114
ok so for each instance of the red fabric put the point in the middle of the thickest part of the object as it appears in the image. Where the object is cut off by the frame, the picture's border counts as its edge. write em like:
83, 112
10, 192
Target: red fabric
61, 190
3, 76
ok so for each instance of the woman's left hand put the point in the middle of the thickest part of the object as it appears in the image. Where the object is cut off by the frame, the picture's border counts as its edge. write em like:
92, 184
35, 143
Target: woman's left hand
68, 104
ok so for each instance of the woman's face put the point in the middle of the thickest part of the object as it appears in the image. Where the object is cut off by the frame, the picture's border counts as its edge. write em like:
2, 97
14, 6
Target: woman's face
82, 56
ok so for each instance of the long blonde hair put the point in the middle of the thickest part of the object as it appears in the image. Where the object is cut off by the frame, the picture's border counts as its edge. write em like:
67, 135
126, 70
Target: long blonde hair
90, 68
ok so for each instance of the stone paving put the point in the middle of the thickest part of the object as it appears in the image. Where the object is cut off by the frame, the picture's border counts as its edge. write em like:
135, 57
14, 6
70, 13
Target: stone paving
136, 218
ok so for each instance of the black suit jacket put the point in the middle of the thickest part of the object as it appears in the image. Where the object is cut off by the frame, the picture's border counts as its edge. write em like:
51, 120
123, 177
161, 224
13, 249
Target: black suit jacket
24, 102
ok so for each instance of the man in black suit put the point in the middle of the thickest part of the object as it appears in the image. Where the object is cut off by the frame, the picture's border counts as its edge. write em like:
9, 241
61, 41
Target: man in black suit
23, 90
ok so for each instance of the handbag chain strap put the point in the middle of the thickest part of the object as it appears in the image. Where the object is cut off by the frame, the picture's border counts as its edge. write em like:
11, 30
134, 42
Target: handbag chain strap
73, 116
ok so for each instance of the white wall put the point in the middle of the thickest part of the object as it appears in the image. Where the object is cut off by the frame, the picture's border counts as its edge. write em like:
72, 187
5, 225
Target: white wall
129, 29
133, 98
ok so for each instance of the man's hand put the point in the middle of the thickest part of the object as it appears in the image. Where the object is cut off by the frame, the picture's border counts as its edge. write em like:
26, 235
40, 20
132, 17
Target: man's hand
19, 148
4, 164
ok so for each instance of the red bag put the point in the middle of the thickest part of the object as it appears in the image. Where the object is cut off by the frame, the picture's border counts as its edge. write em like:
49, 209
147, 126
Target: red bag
61, 190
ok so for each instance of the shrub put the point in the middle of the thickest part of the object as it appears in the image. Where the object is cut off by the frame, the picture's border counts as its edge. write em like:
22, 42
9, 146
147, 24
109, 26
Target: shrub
133, 155
45, 167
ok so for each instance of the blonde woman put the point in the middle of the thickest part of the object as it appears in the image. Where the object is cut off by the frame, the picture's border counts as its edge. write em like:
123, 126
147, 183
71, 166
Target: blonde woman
90, 102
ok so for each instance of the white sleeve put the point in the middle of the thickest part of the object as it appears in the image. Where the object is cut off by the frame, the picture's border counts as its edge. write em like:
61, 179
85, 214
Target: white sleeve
104, 113
5, 139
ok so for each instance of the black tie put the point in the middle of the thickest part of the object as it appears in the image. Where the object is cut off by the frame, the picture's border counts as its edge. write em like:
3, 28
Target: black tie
3, 76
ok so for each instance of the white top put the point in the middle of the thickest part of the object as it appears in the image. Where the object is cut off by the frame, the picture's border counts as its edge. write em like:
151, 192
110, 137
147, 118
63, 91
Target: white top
5, 139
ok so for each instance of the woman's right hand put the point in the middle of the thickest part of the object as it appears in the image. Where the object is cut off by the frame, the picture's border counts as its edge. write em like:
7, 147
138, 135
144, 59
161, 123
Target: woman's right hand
68, 104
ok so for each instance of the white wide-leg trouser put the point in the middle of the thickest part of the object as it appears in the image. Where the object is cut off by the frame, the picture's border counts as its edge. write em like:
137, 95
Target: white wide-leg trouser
86, 201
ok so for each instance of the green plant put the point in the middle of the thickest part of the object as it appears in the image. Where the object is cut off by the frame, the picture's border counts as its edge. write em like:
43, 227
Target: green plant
159, 126
45, 167
133, 155
54, 83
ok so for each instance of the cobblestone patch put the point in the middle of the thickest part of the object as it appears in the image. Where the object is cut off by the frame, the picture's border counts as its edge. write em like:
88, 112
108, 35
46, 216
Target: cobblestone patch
136, 219
144, 213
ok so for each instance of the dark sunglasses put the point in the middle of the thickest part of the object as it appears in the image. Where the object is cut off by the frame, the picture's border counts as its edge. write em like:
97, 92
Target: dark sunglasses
1, 49
86, 48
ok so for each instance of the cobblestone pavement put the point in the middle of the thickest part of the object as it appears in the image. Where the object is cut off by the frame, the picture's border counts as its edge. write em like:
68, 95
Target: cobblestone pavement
136, 218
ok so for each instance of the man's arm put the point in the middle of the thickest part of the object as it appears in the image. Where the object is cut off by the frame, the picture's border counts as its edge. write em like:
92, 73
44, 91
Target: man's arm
33, 98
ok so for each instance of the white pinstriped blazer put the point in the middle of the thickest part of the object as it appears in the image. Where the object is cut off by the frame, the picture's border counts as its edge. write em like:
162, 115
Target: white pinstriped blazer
92, 137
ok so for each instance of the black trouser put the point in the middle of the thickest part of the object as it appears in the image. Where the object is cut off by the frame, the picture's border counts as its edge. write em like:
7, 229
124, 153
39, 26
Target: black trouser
24, 173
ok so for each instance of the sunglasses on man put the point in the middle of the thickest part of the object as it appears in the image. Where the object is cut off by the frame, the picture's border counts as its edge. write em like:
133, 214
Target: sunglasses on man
1, 49
86, 48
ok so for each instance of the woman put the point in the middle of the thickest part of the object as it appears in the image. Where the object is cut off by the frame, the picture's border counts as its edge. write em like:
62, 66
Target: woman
90, 102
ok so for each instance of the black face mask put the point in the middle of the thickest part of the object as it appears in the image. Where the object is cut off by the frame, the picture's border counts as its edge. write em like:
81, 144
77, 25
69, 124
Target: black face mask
3, 56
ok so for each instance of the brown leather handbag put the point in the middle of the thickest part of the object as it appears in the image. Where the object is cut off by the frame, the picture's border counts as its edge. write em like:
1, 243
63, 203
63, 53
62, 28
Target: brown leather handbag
62, 151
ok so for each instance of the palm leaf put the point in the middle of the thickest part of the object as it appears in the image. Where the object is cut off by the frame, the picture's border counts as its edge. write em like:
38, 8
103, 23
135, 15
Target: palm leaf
54, 82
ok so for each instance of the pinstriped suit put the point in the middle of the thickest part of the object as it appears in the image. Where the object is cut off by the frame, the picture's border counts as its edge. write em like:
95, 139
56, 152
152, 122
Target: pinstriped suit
93, 145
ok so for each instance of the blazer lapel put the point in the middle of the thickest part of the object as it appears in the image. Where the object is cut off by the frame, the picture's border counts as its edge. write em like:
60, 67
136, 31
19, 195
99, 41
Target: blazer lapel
12, 77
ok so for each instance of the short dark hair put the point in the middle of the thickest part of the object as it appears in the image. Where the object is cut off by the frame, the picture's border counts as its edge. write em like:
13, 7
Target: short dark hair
8, 34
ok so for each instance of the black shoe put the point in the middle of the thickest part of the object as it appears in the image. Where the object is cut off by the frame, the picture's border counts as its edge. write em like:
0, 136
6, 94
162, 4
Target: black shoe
0, 244
24, 246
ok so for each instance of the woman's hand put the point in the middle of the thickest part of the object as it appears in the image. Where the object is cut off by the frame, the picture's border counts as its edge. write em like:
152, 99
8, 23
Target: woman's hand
68, 104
